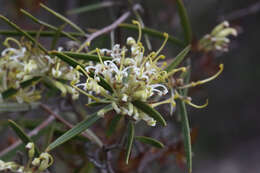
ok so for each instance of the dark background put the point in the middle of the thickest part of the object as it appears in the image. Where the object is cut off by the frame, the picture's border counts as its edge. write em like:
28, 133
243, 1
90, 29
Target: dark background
228, 129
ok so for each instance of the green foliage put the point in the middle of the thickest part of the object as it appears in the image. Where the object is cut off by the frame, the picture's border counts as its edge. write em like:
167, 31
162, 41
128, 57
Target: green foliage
85, 56
149, 111
11, 91
178, 59
113, 125
21, 134
130, 140
153, 33
14, 26
76, 130
184, 21
150, 141
92, 7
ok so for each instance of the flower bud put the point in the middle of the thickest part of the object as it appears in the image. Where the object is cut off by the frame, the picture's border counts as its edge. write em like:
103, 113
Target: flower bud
130, 41
46, 161
220, 27
36, 162
31, 149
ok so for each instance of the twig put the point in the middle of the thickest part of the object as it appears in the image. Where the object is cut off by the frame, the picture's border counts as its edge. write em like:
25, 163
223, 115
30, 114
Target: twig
108, 162
58, 117
93, 160
88, 134
252, 9
30, 134
107, 28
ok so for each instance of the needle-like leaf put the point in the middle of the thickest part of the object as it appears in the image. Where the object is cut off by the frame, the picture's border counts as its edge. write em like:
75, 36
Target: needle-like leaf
63, 18
184, 21
149, 111
154, 33
130, 139
21, 134
77, 129
150, 141
178, 59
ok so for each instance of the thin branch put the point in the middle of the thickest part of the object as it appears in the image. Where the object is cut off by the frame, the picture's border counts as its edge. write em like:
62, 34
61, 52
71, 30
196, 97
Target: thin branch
58, 117
95, 161
108, 28
30, 134
88, 134
252, 9
108, 162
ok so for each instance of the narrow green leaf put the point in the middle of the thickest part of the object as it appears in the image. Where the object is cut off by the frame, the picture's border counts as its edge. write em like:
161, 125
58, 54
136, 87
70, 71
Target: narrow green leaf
95, 104
130, 139
92, 7
22, 135
186, 133
66, 59
113, 124
149, 111
17, 107
11, 91
94, 138
178, 59
77, 129
63, 18
58, 131
184, 21
86, 57
8, 154
153, 32
58, 85
42, 33
13, 25
49, 26
74, 64
39, 129
150, 141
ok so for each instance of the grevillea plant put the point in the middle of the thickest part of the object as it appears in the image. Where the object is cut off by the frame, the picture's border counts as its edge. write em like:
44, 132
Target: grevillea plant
127, 84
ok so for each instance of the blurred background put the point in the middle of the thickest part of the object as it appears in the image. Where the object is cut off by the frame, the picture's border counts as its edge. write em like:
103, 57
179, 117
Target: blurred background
228, 129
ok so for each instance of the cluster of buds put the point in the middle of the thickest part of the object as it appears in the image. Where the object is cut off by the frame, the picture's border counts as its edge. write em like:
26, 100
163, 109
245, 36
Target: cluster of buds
38, 164
21, 61
218, 39
132, 76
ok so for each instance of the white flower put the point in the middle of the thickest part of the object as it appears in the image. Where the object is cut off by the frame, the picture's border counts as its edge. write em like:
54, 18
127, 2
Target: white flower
56, 72
15, 53
30, 66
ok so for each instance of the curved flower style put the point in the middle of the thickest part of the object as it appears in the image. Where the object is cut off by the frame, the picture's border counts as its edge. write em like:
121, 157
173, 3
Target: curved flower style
23, 62
132, 76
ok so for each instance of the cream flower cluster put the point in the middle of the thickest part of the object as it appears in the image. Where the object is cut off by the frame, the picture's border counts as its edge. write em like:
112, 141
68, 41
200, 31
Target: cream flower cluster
12, 166
136, 76
132, 76
218, 39
20, 61
37, 164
